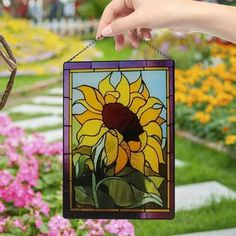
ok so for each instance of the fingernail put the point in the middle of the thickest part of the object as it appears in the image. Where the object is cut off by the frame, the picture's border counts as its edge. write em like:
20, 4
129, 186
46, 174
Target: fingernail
147, 38
99, 37
107, 31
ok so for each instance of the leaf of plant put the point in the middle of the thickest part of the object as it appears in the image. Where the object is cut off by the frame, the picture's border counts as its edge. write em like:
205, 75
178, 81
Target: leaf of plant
81, 197
145, 201
81, 163
142, 182
104, 200
120, 191
157, 180
140, 196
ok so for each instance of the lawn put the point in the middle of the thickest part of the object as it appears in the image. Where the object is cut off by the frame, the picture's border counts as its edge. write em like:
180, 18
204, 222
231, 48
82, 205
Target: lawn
22, 81
203, 165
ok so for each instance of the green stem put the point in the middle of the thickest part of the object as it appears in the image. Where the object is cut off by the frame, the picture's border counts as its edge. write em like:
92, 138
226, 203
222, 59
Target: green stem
95, 197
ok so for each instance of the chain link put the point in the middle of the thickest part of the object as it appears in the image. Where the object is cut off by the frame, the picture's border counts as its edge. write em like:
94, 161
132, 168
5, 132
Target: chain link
148, 43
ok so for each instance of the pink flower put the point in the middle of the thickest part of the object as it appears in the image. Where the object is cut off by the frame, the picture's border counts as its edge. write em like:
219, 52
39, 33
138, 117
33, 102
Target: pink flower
120, 228
5, 178
18, 193
2, 207
17, 223
39, 205
28, 171
60, 226
3, 222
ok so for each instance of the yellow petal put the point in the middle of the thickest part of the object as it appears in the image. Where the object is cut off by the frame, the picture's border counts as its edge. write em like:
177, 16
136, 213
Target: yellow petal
92, 97
153, 128
86, 105
90, 127
121, 161
150, 103
157, 147
110, 99
137, 161
145, 92
87, 115
105, 85
160, 120
92, 140
150, 115
152, 158
124, 90
118, 135
143, 139
134, 146
136, 85
136, 104
111, 148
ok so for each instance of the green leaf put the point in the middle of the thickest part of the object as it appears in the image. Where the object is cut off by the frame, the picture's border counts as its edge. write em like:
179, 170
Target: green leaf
81, 196
104, 200
125, 194
157, 180
120, 191
143, 183
140, 196
145, 201
83, 160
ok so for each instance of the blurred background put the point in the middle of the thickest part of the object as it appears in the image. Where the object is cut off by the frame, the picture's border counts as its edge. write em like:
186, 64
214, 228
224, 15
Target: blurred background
43, 34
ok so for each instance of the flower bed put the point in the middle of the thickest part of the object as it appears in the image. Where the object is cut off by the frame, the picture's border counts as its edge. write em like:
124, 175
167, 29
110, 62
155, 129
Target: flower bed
37, 50
206, 98
30, 189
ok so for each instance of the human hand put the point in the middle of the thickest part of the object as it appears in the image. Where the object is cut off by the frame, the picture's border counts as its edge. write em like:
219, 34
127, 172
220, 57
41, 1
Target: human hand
139, 17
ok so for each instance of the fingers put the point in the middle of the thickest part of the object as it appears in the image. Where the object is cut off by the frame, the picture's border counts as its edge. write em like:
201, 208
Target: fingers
119, 42
146, 34
134, 38
110, 14
124, 24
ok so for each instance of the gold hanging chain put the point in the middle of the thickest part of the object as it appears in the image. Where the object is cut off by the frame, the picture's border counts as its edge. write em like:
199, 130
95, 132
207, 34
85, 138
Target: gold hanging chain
148, 43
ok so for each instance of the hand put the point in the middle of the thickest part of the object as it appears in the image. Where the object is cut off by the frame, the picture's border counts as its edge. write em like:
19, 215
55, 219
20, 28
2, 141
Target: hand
138, 17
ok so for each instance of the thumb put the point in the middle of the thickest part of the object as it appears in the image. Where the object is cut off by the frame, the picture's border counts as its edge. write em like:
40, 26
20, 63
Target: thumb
121, 25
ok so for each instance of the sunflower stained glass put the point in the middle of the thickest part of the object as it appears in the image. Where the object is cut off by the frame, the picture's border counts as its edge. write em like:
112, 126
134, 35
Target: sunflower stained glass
119, 139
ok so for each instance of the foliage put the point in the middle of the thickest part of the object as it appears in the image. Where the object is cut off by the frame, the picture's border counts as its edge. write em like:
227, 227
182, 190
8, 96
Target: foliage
92, 9
30, 189
206, 97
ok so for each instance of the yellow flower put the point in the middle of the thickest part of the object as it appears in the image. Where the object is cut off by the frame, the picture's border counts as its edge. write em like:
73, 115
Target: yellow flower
125, 115
202, 117
232, 119
230, 139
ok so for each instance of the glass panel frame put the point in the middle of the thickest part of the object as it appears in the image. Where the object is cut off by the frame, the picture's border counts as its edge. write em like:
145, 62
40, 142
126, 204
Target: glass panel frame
118, 151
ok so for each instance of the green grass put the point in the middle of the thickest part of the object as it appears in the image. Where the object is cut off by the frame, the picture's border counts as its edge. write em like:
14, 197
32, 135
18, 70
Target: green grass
216, 216
23, 81
203, 165
19, 116
107, 46
43, 129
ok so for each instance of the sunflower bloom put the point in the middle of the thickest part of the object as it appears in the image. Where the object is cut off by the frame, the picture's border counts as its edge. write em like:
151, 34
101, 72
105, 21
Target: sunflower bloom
127, 117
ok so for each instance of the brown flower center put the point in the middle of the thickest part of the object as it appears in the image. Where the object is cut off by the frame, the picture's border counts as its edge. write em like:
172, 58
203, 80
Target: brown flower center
116, 116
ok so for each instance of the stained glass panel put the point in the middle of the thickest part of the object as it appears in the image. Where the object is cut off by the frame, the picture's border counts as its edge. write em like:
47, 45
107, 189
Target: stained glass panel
119, 139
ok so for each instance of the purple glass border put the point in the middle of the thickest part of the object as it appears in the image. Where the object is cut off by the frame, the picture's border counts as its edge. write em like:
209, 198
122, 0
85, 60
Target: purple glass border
110, 65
